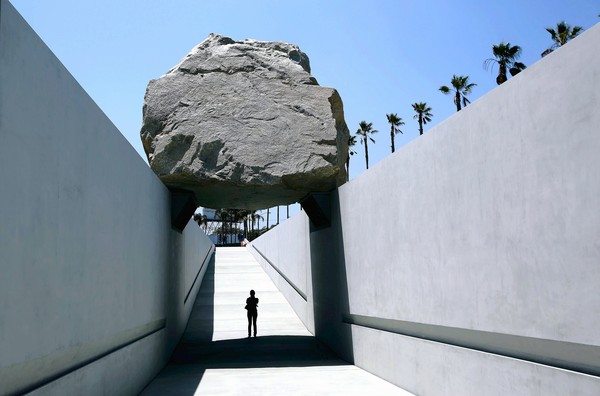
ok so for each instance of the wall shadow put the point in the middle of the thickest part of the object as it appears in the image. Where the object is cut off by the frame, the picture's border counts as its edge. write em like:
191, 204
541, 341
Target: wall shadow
330, 285
173, 289
200, 325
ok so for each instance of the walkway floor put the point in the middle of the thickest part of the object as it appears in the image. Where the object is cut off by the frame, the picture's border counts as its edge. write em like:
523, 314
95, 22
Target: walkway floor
215, 357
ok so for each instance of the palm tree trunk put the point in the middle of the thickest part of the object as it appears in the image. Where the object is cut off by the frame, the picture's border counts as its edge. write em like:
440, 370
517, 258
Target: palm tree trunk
420, 124
501, 74
457, 101
288, 210
277, 214
268, 210
392, 137
367, 152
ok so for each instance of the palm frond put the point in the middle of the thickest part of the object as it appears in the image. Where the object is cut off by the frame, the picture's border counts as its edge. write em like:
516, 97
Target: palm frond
489, 63
444, 89
576, 30
552, 32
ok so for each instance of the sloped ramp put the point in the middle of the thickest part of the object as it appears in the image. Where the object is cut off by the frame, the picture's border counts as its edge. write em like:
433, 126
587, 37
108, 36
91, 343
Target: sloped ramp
215, 357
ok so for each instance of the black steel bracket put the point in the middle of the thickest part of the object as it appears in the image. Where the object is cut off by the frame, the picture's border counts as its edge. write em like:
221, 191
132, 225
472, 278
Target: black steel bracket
318, 208
183, 206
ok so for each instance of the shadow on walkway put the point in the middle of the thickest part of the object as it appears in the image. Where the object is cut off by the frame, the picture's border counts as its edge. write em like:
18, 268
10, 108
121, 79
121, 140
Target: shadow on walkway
268, 351
184, 373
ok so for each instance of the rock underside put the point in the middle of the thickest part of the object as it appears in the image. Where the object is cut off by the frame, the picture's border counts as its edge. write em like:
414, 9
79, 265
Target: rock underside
243, 124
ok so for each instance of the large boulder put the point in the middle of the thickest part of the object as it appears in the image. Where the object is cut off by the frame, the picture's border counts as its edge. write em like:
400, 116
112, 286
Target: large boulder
243, 124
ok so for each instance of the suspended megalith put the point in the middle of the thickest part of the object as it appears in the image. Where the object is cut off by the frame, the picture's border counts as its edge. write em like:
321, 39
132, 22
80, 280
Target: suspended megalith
243, 124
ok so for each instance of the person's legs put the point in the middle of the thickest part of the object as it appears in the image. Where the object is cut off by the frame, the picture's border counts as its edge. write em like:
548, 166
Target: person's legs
254, 321
250, 322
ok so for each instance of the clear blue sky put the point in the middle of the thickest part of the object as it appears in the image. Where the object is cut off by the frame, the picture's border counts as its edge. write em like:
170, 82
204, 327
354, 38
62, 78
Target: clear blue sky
380, 55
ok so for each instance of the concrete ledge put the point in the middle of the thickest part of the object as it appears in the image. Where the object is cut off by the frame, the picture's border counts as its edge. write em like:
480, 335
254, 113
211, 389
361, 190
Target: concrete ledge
124, 372
19, 377
566, 355
430, 368
296, 288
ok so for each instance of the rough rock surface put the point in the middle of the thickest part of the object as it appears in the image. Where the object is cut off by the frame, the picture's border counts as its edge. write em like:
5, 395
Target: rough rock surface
244, 124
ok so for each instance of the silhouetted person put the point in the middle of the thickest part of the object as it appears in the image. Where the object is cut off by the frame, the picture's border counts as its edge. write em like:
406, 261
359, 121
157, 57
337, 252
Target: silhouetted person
251, 306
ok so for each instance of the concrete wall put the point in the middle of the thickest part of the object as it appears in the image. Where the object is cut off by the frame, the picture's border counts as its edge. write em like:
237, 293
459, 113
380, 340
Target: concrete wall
93, 279
468, 261
291, 261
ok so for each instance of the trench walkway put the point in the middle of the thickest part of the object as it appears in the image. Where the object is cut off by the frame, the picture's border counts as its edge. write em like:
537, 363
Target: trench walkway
214, 356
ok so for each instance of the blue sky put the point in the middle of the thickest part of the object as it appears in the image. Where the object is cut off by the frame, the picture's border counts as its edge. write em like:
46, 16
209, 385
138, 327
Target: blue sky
380, 55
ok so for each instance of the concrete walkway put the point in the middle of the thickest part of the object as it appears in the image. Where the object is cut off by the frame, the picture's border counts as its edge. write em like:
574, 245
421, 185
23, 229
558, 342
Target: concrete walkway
215, 357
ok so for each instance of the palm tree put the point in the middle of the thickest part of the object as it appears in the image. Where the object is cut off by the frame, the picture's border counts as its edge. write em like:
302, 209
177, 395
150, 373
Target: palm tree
505, 55
562, 33
255, 217
395, 124
223, 215
365, 131
287, 208
277, 214
423, 114
461, 88
268, 210
201, 219
351, 151
242, 216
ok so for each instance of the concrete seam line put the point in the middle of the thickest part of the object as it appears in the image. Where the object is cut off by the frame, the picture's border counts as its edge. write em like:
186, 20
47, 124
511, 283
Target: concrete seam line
296, 288
155, 326
581, 358
210, 250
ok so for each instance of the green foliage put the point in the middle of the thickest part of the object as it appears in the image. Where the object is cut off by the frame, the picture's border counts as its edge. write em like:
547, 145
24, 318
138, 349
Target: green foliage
351, 144
461, 88
505, 56
253, 234
562, 33
395, 124
365, 131
423, 111
423, 114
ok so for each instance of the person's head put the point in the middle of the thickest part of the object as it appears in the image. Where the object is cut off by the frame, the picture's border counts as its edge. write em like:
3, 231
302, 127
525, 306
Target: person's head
252, 293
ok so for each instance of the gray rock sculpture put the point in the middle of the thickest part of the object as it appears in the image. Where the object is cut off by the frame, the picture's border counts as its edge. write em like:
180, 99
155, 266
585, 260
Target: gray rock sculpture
243, 124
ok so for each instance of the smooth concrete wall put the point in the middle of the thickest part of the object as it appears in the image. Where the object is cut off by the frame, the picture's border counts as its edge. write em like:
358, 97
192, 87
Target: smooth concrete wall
91, 271
292, 261
468, 261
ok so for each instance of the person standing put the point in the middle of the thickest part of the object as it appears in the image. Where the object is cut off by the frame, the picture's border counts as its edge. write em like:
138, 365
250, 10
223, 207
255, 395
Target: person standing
252, 308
